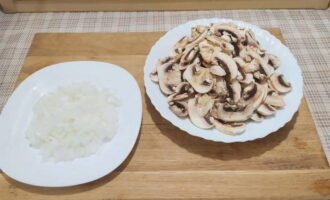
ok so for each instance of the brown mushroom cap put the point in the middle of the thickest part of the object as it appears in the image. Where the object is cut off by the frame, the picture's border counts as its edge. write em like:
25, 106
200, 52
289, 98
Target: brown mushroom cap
235, 128
198, 108
200, 78
279, 83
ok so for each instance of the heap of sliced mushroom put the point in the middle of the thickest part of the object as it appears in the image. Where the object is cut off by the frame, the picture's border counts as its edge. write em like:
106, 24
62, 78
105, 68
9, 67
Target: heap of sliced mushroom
220, 78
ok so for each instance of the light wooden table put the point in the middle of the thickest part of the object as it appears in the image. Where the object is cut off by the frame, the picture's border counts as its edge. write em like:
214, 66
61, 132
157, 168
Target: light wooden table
167, 163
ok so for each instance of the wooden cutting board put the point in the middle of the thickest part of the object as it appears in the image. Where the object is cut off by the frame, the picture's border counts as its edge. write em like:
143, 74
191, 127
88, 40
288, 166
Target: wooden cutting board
169, 163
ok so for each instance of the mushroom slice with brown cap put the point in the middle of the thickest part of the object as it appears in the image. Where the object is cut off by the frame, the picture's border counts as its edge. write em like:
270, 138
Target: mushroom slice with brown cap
257, 117
182, 91
275, 100
279, 83
217, 70
246, 67
235, 128
266, 110
220, 87
194, 41
249, 104
199, 78
198, 30
180, 108
189, 55
180, 45
206, 51
250, 39
273, 61
198, 109
196, 61
227, 29
245, 78
252, 55
169, 76
224, 46
227, 63
153, 75
235, 91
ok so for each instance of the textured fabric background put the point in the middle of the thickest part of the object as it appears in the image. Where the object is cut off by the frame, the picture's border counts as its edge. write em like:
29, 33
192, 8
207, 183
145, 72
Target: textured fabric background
306, 32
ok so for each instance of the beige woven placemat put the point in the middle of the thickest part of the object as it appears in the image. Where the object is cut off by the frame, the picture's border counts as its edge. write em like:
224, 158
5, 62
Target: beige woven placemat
307, 34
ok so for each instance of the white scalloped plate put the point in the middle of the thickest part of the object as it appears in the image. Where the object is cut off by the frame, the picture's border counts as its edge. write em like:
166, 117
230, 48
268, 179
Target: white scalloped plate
289, 68
23, 163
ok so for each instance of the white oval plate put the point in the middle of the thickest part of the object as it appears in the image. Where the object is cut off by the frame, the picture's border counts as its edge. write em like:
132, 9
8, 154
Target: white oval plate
23, 163
289, 68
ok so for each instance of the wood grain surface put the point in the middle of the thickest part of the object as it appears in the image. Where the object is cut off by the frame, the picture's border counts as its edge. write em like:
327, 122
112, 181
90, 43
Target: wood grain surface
147, 5
168, 163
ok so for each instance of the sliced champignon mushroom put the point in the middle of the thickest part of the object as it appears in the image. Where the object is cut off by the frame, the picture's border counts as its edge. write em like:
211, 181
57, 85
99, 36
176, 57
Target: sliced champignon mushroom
195, 61
224, 46
266, 110
253, 55
235, 128
217, 70
169, 76
229, 30
194, 41
199, 78
245, 78
273, 61
247, 67
206, 51
266, 68
235, 91
275, 101
153, 75
250, 103
189, 55
259, 76
279, 83
198, 30
250, 39
220, 87
180, 45
257, 117
198, 109
182, 92
180, 108
228, 64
